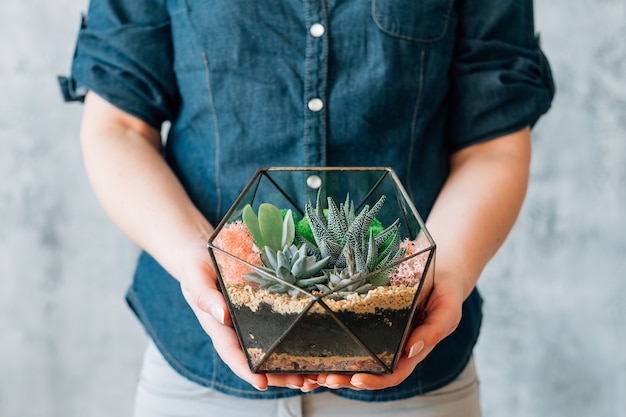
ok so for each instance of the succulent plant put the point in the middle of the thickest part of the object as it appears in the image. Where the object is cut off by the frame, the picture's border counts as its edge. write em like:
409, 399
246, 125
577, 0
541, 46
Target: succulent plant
349, 242
269, 228
292, 265
344, 248
342, 283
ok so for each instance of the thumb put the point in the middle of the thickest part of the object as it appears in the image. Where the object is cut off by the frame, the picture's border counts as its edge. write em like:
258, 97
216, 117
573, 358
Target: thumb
200, 289
209, 301
443, 314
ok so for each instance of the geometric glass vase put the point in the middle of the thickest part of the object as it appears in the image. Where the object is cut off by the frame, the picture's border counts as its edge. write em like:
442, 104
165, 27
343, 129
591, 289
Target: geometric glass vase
369, 268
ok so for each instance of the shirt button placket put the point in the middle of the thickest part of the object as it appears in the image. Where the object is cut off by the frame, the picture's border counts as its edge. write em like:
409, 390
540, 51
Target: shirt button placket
315, 82
316, 30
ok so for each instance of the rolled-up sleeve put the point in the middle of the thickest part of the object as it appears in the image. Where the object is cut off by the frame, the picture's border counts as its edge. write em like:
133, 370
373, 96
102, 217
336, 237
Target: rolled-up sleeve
501, 80
124, 54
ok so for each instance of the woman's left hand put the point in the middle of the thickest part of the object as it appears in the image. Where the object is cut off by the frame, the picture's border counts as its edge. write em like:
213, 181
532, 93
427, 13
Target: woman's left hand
470, 219
442, 316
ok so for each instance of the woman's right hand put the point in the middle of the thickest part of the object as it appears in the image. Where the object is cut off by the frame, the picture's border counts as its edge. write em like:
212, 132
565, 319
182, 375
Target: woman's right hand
142, 195
201, 291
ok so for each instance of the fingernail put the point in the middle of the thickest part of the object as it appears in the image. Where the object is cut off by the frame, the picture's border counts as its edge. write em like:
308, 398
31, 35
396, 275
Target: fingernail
293, 386
259, 389
416, 348
358, 384
218, 314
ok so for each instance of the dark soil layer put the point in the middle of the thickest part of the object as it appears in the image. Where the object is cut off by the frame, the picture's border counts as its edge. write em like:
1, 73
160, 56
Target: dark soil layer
317, 335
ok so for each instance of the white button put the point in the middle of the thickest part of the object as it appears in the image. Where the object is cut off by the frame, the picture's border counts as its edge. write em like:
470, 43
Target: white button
317, 30
315, 104
314, 182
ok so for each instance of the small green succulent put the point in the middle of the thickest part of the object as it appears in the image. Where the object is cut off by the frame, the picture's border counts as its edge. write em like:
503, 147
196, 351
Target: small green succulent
269, 228
292, 265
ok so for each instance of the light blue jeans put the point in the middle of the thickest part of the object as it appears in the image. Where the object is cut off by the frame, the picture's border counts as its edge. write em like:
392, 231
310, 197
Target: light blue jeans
162, 392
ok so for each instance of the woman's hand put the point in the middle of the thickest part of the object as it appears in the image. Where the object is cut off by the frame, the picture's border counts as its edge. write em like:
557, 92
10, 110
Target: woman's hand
441, 317
200, 288
141, 194
472, 216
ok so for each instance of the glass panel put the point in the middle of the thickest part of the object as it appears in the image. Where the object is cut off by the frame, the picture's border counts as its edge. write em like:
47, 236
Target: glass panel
319, 343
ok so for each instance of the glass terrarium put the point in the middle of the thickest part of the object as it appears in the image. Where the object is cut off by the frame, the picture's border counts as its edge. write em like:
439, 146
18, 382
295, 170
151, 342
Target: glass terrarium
325, 270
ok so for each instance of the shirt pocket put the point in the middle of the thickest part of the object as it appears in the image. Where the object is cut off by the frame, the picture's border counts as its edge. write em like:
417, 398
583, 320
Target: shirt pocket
415, 20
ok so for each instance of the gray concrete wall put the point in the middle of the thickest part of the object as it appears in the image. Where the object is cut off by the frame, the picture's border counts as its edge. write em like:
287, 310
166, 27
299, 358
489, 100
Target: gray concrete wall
554, 333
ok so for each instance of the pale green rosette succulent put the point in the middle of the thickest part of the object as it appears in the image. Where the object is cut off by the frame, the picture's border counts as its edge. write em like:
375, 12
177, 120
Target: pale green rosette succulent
293, 266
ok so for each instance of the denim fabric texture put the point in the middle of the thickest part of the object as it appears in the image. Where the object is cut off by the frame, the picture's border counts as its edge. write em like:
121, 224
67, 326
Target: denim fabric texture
398, 83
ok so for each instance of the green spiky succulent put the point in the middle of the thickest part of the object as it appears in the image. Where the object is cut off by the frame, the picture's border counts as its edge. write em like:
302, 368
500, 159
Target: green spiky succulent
291, 265
342, 283
346, 238
303, 228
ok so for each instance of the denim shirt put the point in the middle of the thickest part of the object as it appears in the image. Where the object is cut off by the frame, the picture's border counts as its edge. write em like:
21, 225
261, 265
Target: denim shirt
245, 84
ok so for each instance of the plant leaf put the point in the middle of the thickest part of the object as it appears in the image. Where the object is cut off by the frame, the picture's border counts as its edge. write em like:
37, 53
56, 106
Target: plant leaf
252, 224
312, 267
270, 256
271, 225
289, 230
307, 282
372, 253
298, 267
337, 224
